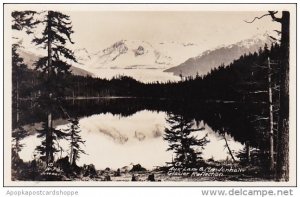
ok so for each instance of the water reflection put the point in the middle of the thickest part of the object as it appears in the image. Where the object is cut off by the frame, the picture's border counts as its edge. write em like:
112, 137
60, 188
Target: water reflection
184, 140
115, 141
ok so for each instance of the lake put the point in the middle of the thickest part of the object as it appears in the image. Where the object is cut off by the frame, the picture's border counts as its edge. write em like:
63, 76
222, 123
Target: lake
119, 132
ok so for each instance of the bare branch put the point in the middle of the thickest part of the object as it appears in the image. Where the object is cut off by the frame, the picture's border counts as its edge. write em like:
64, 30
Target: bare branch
275, 62
259, 119
276, 87
273, 38
257, 18
272, 14
258, 92
278, 32
258, 116
259, 66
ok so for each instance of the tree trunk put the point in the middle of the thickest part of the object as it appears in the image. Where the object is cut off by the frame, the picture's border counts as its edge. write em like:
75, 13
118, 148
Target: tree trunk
71, 152
271, 121
49, 153
49, 156
282, 167
74, 157
17, 101
228, 148
248, 153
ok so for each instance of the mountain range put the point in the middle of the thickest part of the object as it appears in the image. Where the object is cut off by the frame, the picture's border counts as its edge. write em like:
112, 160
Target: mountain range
130, 54
150, 62
210, 59
30, 58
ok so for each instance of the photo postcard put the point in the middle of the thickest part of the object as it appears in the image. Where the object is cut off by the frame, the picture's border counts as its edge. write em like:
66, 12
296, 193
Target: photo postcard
149, 95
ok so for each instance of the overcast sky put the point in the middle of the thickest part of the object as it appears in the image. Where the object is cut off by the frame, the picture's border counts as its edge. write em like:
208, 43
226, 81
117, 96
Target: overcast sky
97, 30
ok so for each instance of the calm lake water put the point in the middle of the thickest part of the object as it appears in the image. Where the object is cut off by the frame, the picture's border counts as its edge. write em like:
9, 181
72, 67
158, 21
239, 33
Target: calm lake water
132, 135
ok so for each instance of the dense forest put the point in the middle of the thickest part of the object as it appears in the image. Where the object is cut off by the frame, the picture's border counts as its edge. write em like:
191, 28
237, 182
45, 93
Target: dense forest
252, 81
234, 82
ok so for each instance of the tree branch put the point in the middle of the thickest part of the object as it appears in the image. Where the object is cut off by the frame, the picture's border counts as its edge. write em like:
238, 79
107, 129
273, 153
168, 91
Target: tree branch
278, 32
257, 18
258, 92
259, 119
271, 13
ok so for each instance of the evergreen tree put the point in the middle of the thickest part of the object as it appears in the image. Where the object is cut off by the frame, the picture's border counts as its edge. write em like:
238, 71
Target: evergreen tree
18, 69
20, 20
24, 20
17, 135
282, 164
55, 65
187, 147
75, 141
282, 160
49, 145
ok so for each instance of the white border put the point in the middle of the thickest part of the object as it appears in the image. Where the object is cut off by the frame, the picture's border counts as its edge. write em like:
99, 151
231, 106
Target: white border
143, 7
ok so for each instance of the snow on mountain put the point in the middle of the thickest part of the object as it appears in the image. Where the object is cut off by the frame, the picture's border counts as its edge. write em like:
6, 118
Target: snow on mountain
209, 59
30, 58
178, 51
162, 61
82, 55
140, 59
129, 55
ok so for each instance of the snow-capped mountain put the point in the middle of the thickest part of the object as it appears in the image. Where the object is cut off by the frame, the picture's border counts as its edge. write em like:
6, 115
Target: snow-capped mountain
139, 59
82, 55
209, 59
127, 55
136, 54
162, 61
30, 58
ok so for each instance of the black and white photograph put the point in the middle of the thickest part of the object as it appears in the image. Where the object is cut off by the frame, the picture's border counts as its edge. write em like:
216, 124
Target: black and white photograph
149, 94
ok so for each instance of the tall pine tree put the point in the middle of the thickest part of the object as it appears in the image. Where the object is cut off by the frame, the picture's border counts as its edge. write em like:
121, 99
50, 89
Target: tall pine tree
49, 147
20, 20
18, 69
282, 160
56, 34
75, 141
186, 146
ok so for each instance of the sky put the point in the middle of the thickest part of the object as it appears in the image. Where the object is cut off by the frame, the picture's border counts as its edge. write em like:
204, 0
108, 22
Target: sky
99, 29
96, 30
